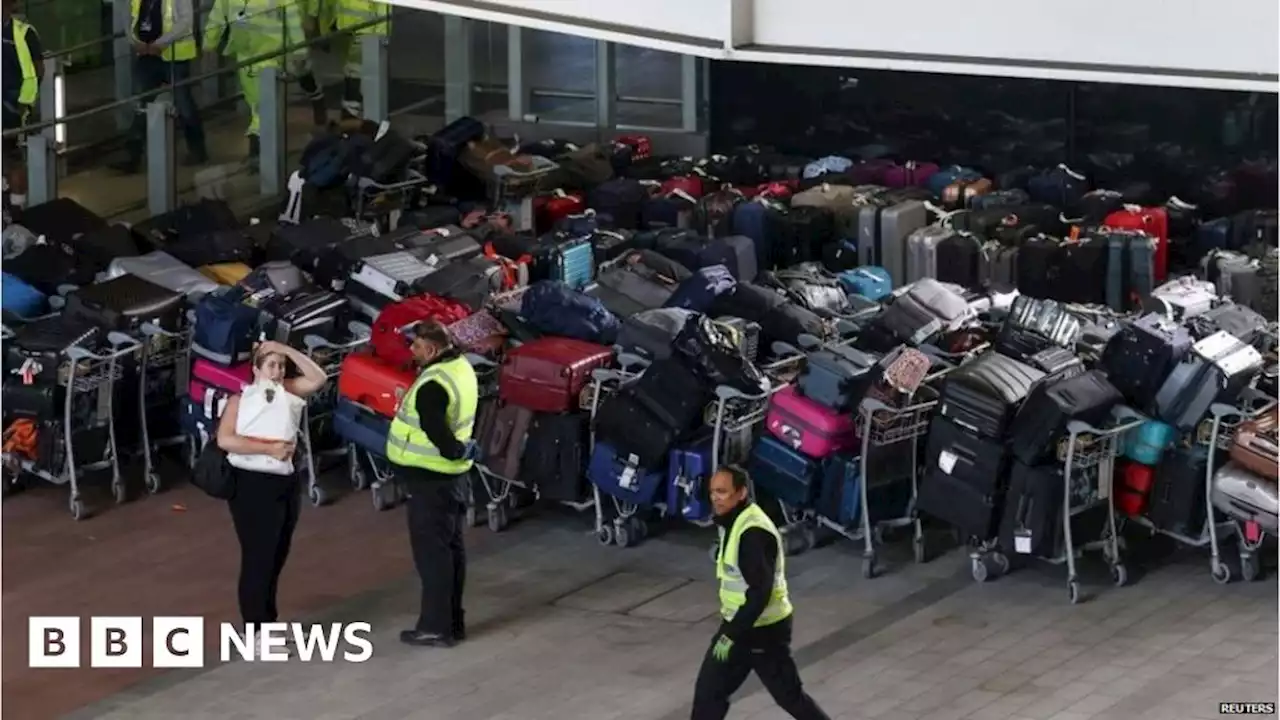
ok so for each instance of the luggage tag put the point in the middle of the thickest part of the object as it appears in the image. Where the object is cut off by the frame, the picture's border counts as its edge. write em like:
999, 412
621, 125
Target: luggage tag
1022, 541
947, 461
29, 370
627, 480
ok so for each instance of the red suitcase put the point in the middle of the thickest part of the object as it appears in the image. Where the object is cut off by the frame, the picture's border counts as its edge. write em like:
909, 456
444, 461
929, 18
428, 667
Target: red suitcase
1132, 487
368, 381
1154, 221
641, 146
550, 209
388, 341
548, 374
690, 185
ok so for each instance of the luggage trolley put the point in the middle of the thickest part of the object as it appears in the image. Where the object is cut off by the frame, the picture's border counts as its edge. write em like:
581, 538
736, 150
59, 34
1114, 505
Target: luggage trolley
501, 502
375, 200
1088, 456
94, 376
1249, 537
626, 528
164, 353
513, 190
319, 408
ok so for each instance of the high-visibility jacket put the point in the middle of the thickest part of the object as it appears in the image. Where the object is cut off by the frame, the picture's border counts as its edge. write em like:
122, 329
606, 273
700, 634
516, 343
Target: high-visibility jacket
30, 88
182, 48
733, 587
255, 27
358, 13
408, 445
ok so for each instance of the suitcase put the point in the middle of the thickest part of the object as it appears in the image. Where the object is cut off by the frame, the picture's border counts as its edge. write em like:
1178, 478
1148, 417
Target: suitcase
1246, 497
1059, 186
165, 271
625, 423
1217, 369
548, 374
962, 192
651, 333
1031, 523
1154, 221
319, 313
226, 273
1148, 442
106, 245
503, 438
947, 255
621, 199
387, 340
781, 472
807, 426
870, 282
225, 329
798, 235
838, 377
553, 460
1042, 421
360, 427
1046, 319
984, 395
744, 334
449, 243
1130, 268
1080, 270
471, 282
618, 475
1183, 298
21, 299
882, 236
629, 288
1234, 275
61, 220
393, 276
924, 309
689, 472
1254, 446
1055, 361
972, 512
1139, 358
979, 462
672, 393
571, 262
41, 402
49, 266
1176, 502
124, 303
307, 244
699, 292
373, 383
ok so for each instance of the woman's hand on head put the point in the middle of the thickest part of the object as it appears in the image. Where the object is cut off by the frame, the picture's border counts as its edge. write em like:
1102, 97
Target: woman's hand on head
272, 347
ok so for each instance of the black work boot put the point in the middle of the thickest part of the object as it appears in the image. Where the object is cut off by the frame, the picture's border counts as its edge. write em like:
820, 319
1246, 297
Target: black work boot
255, 150
426, 639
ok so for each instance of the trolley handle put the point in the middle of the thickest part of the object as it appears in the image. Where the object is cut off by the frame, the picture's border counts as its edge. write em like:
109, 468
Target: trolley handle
1080, 427
480, 362
1254, 402
151, 330
415, 178
1222, 412
632, 364
728, 392
121, 344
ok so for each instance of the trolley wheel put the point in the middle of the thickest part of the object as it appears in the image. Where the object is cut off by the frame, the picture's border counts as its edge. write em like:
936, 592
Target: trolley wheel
1073, 592
869, 569
604, 535
383, 496
153, 483
978, 568
359, 476
119, 492
498, 517
1000, 562
808, 538
639, 529
317, 495
917, 547
1250, 567
1221, 572
192, 450
77, 508
622, 536
1119, 575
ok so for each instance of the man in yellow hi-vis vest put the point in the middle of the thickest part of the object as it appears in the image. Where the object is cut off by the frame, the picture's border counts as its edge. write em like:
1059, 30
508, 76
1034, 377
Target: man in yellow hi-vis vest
431, 450
163, 35
23, 70
755, 609
352, 18
247, 29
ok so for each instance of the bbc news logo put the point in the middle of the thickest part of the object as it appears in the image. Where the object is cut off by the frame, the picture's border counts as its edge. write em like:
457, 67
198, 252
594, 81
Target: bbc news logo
178, 642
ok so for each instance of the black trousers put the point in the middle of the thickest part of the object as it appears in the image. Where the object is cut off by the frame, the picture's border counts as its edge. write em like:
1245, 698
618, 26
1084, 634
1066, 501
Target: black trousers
436, 510
767, 651
265, 513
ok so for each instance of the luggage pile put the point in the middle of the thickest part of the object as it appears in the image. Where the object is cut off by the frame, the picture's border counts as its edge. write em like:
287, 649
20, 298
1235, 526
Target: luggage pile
875, 341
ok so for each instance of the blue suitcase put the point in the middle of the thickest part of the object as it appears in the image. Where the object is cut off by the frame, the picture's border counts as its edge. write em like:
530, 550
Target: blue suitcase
575, 264
688, 474
21, 299
869, 281
367, 430
1147, 442
840, 497
622, 478
750, 219
783, 473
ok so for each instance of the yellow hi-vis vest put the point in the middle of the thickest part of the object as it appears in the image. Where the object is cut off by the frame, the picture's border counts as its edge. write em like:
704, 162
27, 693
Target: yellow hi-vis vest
30, 78
182, 48
408, 445
354, 13
256, 27
733, 587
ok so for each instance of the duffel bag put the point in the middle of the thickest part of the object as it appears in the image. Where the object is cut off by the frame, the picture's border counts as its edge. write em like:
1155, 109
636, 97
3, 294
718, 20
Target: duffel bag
699, 292
556, 309
652, 333
225, 328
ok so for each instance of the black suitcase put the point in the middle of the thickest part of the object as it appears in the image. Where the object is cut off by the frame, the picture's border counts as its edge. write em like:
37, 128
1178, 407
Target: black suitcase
60, 220
981, 463
105, 244
957, 501
1038, 261
308, 242
186, 231
652, 333
124, 303
1031, 523
1043, 419
41, 401
472, 281
49, 265
554, 461
316, 312
1141, 355
626, 425
621, 199
984, 395
1176, 502
673, 394
1056, 361
1240, 321
799, 235
1079, 271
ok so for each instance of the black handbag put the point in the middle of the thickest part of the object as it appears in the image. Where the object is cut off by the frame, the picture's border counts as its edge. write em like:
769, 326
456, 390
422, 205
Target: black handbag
213, 474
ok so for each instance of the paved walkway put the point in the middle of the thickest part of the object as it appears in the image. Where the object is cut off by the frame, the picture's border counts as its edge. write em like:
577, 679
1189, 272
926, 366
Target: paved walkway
564, 629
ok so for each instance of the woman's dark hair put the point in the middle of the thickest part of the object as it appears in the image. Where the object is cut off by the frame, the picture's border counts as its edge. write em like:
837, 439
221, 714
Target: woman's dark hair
738, 475
434, 333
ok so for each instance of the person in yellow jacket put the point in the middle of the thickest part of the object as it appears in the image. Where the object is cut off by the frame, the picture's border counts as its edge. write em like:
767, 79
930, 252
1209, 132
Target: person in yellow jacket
247, 29
23, 71
352, 19
163, 36
431, 452
755, 609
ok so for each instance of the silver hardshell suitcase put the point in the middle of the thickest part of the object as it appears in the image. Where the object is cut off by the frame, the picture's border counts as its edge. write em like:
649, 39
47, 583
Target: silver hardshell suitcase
1217, 369
394, 275
922, 251
164, 270
882, 236
1183, 298
1245, 496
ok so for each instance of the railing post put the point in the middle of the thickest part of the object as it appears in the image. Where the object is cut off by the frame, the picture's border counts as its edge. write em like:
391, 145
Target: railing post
42, 170
162, 167
690, 93
374, 77
122, 59
458, 79
52, 99
606, 85
517, 96
272, 129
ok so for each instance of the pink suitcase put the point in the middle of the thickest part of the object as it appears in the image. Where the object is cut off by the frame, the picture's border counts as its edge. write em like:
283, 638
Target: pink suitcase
806, 426
910, 174
222, 377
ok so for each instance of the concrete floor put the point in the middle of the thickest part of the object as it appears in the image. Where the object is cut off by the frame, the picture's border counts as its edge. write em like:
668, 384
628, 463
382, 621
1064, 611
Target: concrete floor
564, 629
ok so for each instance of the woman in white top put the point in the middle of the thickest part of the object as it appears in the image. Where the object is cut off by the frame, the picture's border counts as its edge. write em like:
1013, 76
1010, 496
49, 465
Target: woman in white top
258, 431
